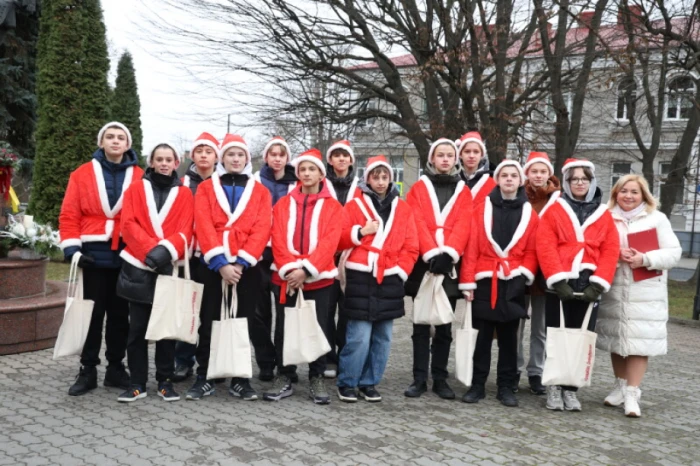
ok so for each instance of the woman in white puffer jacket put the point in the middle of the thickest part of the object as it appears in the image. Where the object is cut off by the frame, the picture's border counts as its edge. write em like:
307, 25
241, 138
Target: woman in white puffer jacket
632, 316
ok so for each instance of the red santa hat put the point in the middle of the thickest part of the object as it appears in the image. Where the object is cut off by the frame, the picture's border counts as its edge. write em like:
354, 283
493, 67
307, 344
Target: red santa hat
171, 146
312, 155
509, 163
439, 142
344, 145
538, 157
274, 141
234, 140
205, 139
576, 163
374, 162
471, 136
114, 124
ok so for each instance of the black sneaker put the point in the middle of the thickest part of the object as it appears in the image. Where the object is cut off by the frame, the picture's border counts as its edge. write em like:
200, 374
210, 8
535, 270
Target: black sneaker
117, 376
370, 394
507, 397
347, 394
167, 392
85, 381
318, 392
182, 372
241, 388
536, 386
266, 374
201, 388
443, 390
135, 392
474, 394
416, 389
281, 388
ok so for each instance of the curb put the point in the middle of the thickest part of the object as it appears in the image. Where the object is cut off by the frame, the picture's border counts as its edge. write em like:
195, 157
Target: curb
684, 322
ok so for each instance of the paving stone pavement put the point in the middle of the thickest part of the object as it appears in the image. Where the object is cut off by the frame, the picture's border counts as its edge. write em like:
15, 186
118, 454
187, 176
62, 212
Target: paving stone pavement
41, 424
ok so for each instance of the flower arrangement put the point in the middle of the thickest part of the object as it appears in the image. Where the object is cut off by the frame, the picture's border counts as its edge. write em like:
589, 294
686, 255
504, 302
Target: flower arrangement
40, 239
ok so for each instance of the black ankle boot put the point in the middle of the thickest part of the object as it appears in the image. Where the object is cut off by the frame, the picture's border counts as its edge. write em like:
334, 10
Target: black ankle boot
416, 389
117, 376
474, 394
443, 390
84, 382
507, 397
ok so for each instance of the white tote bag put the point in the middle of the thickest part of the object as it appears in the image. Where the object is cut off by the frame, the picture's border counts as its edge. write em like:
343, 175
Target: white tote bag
464, 348
230, 354
176, 307
432, 306
304, 340
570, 353
76, 316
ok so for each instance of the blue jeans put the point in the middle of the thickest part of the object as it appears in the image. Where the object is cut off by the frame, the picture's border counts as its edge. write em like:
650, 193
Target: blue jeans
365, 354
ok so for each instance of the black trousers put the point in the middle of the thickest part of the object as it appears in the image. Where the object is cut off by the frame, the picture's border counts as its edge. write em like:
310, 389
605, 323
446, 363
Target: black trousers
336, 332
261, 328
507, 334
247, 290
137, 348
321, 297
574, 313
440, 349
100, 285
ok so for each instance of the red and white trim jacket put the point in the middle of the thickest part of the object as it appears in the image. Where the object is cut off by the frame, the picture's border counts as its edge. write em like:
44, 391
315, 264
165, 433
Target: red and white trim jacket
393, 250
486, 259
353, 193
144, 227
242, 233
482, 189
441, 232
565, 247
85, 213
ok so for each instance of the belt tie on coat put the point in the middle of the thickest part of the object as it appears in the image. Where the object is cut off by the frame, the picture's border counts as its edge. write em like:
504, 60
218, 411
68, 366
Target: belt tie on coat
116, 233
381, 260
499, 262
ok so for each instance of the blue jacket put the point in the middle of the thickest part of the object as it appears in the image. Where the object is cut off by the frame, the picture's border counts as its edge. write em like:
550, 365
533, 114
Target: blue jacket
278, 188
113, 174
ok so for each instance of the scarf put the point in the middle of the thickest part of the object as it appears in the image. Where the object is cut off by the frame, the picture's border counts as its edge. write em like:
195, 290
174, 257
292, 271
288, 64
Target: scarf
628, 215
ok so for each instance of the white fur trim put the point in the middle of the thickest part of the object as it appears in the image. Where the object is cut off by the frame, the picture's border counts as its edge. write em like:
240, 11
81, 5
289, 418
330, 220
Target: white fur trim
501, 276
361, 205
134, 261
286, 268
510, 163
374, 165
578, 164
452, 252
539, 160
67, 243
247, 257
323, 276
430, 254
230, 257
306, 263
274, 142
519, 231
573, 219
396, 270
439, 142
557, 277
170, 247
157, 218
121, 126
213, 253
109, 229
357, 266
600, 281
291, 225
467, 286
313, 228
354, 231
102, 189
205, 142
587, 266
346, 148
461, 143
527, 274
595, 216
552, 199
222, 199
441, 216
239, 145
186, 181
479, 184
308, 158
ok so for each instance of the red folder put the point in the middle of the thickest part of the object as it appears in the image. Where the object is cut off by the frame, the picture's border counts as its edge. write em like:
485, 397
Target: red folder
644, 241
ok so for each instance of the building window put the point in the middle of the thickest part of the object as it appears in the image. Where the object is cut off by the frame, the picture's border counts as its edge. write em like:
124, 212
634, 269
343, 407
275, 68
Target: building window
620, 169
626, 92
681, 92
551, 113
397, 167
664, 171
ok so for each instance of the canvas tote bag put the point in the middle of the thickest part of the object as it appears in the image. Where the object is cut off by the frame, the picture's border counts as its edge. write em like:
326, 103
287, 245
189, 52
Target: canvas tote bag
464, 348
304, 340
432, 306
230, 354
570, 353
176, 307
76, 316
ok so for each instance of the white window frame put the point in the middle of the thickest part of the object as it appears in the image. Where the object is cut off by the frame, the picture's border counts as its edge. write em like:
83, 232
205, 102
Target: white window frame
550, 114
619, 98
678, 97
615, 175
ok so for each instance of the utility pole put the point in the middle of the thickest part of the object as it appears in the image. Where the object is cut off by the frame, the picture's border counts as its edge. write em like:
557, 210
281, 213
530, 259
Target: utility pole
696, 301
228, 123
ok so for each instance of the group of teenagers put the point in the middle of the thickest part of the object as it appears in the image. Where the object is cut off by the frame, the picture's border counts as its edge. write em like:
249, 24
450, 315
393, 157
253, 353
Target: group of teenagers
510, 239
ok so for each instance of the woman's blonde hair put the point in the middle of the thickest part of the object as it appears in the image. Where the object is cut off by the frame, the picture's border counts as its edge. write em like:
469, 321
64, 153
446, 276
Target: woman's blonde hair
652, 203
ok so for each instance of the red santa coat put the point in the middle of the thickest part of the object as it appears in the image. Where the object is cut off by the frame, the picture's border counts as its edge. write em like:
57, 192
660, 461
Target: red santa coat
325, 228
565, 247
482, 189
393, 250
486, 259
85, 213
441, 232
242, 233
144, 227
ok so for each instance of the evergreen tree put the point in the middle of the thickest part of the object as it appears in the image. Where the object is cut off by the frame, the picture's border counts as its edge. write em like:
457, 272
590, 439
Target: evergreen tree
126, 105
72, 93
17, 78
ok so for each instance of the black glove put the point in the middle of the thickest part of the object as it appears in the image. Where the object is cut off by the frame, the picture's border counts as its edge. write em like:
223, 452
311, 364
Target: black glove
160, 260
563, 290
86, 261
592, 292
441, 264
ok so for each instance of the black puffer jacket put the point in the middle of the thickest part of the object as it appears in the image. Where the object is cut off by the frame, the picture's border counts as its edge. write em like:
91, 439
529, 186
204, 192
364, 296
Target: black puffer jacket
138, 285
341, 185
511, 293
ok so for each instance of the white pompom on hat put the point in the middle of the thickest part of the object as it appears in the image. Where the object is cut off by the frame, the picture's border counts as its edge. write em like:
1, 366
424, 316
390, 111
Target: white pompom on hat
114, 124
509, 163
440, 142
538, 157
344, 145
312, 155
471, 136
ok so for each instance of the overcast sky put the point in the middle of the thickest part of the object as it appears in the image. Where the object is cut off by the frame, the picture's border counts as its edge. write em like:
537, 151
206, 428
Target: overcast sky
174, 107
